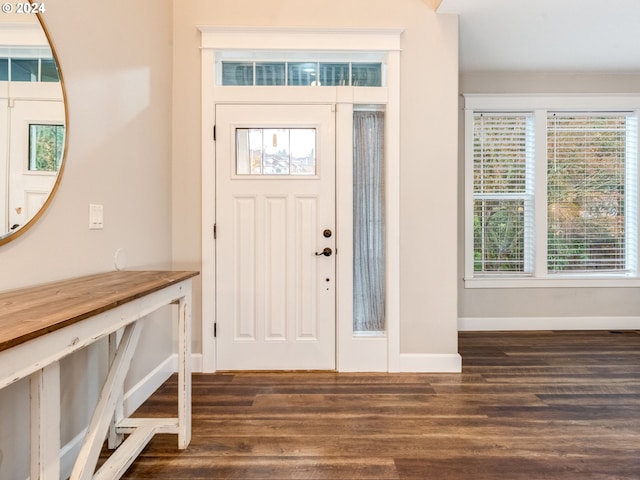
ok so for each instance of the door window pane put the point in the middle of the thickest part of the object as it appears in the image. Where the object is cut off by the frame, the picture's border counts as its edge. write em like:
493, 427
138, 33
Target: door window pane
303, 151
46, 143
249, 151
276, 151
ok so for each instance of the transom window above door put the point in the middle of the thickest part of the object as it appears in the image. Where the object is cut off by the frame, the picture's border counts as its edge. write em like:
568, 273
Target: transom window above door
27, 64
315, 69
314, 74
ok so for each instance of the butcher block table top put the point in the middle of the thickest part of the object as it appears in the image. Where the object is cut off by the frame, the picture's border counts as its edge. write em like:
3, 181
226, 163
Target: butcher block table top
28, 313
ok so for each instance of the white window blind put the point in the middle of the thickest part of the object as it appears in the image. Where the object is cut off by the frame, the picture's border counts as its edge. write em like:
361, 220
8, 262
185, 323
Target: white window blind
503, 193
591, 192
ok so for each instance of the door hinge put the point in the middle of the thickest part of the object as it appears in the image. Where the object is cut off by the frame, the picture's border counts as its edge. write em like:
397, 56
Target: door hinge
215, 231
214, 133
215, 330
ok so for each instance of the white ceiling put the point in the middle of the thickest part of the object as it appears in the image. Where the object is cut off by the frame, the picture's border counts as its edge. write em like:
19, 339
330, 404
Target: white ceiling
548, 35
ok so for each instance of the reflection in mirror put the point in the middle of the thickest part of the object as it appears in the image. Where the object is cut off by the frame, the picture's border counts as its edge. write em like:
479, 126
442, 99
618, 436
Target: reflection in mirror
32, 123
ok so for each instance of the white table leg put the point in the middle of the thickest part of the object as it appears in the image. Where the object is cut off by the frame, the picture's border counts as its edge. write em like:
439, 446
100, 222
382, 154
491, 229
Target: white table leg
45, 423
184, 371
115, 438
103, 414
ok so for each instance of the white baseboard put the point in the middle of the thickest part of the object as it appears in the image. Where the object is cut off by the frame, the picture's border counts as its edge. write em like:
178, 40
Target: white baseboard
430, 363
196, 363
142, 390
468, 324
133, 398
137, 395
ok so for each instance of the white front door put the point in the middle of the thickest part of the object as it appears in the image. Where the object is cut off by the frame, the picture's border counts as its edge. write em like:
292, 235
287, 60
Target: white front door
31, 184
275, 247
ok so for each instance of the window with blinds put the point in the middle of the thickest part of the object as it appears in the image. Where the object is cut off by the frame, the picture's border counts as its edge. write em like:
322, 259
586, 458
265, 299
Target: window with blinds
552, 192
591, 179
503, 153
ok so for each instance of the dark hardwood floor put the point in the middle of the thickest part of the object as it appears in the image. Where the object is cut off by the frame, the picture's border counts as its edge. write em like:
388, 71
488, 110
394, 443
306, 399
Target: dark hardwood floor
537, 405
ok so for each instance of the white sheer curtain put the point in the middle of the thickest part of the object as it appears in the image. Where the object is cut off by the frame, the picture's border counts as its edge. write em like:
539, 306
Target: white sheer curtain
369, 225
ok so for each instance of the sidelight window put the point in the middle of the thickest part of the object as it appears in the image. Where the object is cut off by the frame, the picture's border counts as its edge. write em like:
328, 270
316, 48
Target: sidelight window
369, 277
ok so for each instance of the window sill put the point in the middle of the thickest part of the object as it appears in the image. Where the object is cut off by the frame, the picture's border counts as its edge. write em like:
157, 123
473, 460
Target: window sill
563, 282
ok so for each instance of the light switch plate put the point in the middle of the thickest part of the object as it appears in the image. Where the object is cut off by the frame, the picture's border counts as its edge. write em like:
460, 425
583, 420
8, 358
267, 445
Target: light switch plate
96, 217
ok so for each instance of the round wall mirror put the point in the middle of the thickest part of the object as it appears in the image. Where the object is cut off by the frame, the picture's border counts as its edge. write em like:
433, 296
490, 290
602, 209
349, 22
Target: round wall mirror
32, 123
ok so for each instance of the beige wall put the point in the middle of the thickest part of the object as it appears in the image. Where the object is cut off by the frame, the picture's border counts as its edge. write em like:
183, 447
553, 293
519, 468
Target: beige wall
428, 143
116, 61
134, 146
543, 302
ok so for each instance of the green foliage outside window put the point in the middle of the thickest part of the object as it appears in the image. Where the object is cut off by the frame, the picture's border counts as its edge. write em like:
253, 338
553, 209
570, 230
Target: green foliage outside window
500, 176
499, 240
586, 193
46, 145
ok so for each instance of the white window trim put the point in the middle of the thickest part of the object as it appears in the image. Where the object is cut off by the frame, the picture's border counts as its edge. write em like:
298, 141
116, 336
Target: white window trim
539, 104
354, 352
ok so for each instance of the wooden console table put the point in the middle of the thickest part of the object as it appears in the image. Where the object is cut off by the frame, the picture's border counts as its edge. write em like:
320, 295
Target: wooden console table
42, 324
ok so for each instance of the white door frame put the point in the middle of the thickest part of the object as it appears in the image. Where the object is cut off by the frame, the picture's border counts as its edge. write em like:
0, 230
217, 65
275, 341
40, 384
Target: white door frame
354, 353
